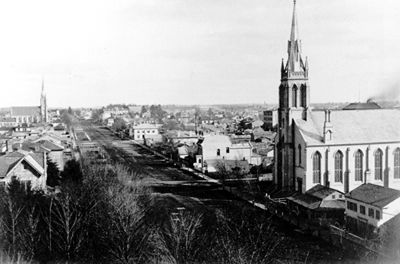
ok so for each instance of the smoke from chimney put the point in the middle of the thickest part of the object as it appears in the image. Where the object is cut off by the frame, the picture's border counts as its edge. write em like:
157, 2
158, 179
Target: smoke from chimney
391, 93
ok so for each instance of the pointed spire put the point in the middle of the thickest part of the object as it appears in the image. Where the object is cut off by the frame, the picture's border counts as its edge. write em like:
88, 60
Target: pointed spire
295, 62
294, 33
42, 85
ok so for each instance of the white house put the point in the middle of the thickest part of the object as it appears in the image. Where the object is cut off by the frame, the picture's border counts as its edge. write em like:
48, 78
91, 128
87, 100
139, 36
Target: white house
220, 147
370, 206
142, 131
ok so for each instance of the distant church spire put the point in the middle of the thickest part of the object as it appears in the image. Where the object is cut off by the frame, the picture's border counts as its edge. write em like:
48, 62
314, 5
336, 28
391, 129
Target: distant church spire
43, 104
43, 87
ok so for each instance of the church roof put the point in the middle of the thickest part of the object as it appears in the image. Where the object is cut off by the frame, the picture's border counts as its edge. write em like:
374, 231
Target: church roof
361, 106
25, 111
352, 127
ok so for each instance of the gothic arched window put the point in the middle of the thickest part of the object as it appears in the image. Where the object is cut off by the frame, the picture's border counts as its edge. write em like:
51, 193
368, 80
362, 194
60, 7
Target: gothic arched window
396, 167
317, 167
303, 96
378, 164
358, 172
339, 166
294, 96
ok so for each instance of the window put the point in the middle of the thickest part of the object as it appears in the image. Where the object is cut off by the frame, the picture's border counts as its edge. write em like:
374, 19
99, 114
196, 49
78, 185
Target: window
299, 154
358, 166
378, 214
362, 209
227, 149
352, 206
397, 163
339, 166
303, 96
317, 167
333, 196
378, 164
218, 152
371, 212
294, 96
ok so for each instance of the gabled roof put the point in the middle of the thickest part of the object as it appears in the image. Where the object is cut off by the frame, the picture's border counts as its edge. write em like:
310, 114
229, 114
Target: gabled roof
352, 126
50, 145
321, 192
314, 199
362, 106
374, 195
10, 160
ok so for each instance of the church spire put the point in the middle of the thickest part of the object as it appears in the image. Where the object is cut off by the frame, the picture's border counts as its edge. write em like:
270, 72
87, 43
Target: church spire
43, 104
295, 62
42, 86
294, 33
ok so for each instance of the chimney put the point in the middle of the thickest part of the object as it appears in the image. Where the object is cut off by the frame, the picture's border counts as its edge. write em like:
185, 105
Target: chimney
9, 146
328, 127
37, 148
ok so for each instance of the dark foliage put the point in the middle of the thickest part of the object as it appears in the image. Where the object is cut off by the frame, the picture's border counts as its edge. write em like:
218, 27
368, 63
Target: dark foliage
72, 172
53, 174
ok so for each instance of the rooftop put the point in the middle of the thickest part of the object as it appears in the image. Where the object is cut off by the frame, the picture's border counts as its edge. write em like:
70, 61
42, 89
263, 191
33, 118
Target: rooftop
352, 126
362, 106
374, 194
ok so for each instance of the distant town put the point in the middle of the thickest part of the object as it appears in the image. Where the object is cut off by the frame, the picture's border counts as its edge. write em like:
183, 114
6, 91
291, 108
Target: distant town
291, 182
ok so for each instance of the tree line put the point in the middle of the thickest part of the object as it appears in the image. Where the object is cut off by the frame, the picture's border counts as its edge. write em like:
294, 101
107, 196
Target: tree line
106, 214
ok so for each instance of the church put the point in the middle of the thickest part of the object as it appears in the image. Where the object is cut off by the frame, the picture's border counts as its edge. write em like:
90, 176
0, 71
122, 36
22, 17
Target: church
31, 114
338, 149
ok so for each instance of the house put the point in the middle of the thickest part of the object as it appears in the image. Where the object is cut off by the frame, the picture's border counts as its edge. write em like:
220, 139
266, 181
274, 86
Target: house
270, 118
142, 131
8, 122
110, 122
370, 206
54, 151
319, 206
220, 147
28, 168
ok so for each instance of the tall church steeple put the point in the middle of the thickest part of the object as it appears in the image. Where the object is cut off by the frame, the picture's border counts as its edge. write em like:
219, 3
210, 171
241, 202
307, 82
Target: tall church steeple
43, 105
293, 105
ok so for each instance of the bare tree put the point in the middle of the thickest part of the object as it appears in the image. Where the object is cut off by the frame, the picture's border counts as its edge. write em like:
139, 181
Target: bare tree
183, 236
67, 221
130, 238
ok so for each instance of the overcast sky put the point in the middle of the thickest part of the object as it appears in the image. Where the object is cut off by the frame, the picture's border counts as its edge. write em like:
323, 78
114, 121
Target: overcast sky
93, 53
